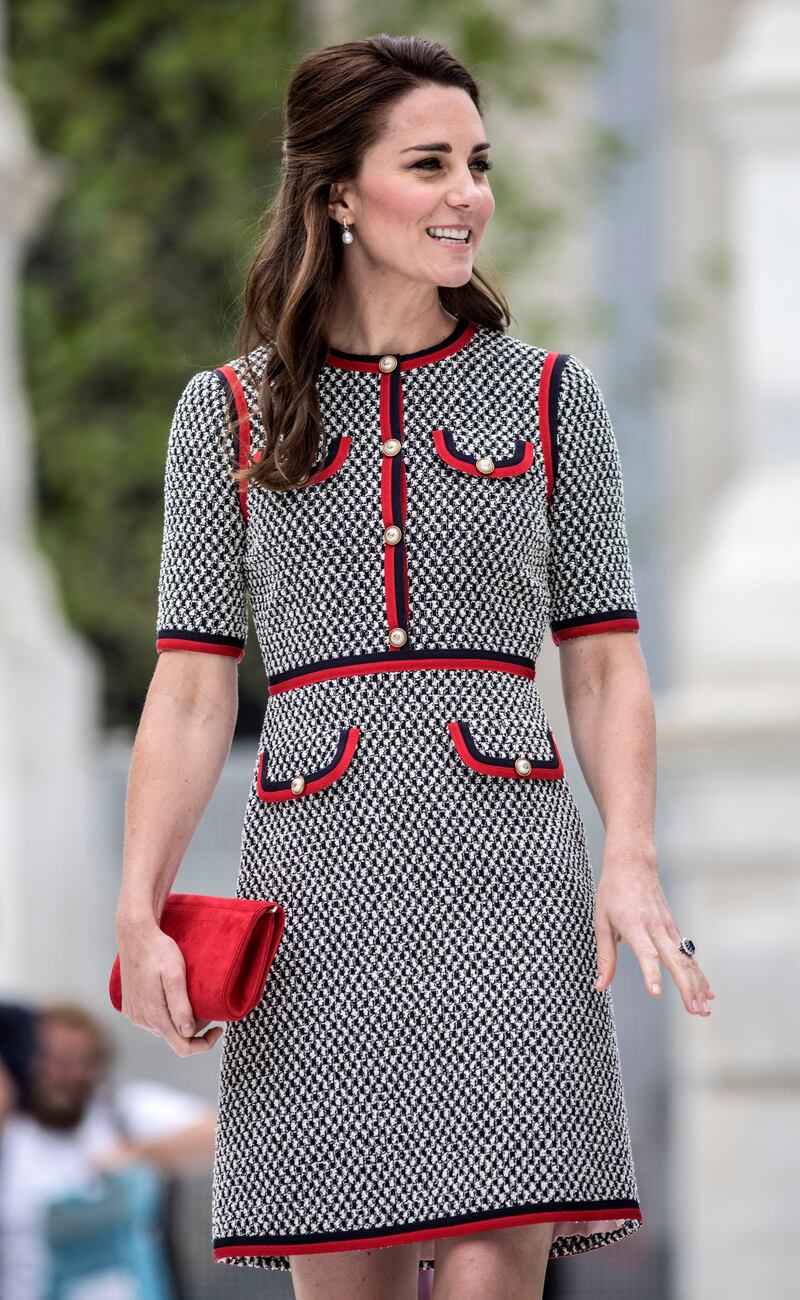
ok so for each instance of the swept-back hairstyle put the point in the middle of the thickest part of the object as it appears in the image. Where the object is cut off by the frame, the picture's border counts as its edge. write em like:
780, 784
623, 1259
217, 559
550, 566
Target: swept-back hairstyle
335, 109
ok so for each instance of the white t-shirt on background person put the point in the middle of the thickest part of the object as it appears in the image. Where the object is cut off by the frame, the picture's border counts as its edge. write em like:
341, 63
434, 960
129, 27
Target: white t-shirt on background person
39, 1164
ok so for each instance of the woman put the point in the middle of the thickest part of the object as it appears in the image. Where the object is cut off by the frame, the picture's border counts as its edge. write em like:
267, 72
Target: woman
432, 1072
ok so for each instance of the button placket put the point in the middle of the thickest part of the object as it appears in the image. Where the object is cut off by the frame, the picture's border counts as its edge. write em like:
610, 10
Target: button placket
393, 501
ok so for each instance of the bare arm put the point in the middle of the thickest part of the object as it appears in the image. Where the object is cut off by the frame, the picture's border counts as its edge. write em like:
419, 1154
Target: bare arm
612, 726
182, 742
173, 1153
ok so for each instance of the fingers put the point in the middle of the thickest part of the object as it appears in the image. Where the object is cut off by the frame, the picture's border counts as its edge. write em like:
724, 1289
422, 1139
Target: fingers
687, 968
155, 996
635, 910
606, 955
176, 1011
662, 944
177, 1000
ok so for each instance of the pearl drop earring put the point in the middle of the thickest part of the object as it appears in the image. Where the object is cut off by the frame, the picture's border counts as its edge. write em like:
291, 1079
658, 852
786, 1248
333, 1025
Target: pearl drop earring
347, 235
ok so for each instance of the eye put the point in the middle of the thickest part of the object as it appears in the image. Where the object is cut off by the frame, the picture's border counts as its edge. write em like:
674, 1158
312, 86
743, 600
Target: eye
482, 163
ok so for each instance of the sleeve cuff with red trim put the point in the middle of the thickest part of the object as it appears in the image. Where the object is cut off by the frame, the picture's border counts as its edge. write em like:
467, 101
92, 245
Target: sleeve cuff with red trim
210, 642
617, 620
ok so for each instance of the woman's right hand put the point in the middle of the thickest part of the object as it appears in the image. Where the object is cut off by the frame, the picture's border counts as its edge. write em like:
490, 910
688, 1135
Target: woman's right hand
154, 995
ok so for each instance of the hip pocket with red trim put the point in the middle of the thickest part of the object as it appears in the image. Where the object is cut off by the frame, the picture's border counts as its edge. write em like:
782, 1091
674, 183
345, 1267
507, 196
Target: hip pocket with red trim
305, 765
499, 748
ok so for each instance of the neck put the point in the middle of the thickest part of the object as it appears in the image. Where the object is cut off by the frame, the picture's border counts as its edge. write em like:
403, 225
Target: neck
375, 327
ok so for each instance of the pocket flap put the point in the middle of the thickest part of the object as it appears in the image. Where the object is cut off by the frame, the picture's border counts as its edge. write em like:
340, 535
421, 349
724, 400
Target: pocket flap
483, 464
335, 455
304, 764
500, 747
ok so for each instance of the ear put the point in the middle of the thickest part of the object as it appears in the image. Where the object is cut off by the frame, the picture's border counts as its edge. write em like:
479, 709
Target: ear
337, 204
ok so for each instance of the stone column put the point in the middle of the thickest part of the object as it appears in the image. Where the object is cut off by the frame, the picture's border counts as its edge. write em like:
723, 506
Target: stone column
49, 904
729, 729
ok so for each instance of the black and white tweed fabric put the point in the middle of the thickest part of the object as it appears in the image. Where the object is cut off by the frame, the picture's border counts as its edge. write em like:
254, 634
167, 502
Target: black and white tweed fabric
430, 1056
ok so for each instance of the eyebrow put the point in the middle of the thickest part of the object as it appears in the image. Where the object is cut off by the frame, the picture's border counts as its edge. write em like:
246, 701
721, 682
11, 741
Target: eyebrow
444, 148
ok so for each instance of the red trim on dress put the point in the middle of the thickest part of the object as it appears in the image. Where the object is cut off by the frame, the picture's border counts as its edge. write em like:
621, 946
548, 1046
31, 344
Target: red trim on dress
210, 647
602, 625
343, 361
311, 786
336, 462
506, 767
435, 1231
466, 463
401, 663
393, 480
545, 432
243, 418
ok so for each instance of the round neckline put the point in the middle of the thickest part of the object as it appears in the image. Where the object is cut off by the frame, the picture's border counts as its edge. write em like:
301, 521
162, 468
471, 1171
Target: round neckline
458, 337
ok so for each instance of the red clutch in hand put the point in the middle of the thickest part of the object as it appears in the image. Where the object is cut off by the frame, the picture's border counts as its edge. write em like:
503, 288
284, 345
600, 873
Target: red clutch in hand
228, 945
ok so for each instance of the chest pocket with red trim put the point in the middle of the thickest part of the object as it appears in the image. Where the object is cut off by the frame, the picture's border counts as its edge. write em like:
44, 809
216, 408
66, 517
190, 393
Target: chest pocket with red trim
335, 456
519, 461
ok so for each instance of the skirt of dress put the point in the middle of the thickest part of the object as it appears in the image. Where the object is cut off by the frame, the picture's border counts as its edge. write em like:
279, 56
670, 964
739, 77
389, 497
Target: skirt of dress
430, 1056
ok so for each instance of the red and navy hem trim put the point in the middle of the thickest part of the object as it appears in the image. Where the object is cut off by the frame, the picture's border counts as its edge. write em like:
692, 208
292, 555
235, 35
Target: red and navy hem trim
311, 1243
368, 361
616, 620
173, 638
387, 661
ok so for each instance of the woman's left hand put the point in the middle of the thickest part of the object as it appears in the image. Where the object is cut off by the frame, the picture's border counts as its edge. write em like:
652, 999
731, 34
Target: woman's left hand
630, 907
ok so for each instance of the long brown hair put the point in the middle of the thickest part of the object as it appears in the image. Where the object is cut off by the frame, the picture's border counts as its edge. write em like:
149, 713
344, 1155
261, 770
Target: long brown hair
335, 109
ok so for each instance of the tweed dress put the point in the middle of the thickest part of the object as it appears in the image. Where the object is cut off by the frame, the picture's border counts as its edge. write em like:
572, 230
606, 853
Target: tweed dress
430, 1056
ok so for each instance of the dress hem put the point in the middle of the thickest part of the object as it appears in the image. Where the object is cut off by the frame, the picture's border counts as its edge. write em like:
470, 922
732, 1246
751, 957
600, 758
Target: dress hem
574, 1221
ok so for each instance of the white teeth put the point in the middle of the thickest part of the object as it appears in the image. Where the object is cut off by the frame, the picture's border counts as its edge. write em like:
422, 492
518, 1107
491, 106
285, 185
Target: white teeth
448, 232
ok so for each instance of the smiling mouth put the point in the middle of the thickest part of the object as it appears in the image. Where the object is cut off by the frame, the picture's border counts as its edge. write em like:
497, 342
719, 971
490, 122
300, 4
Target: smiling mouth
453, 241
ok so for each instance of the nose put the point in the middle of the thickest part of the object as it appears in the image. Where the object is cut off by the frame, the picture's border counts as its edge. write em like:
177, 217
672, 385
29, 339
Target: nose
470, 195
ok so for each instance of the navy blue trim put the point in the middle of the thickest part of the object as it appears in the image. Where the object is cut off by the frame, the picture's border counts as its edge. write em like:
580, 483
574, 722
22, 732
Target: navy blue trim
234, 428
581, 620
481, 756
391, 656
454, 334
309, 776
185, 635
618, 1205
520, 445
396, 485
331, 452
552, 409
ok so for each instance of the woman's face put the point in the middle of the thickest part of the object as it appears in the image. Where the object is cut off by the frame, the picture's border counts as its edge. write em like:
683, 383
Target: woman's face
406, 187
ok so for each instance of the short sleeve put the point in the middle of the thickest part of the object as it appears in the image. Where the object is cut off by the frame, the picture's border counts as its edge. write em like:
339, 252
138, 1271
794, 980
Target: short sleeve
202, 593
589, 569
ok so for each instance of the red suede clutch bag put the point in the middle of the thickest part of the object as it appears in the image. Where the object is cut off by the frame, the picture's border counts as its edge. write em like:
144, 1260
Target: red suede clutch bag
228, 945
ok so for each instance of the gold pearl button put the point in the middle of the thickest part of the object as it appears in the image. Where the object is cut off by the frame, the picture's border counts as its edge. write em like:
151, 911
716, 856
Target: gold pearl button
398, 636
298, 783
484, 464
387, 363
522, 765
390, 447
392, 534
